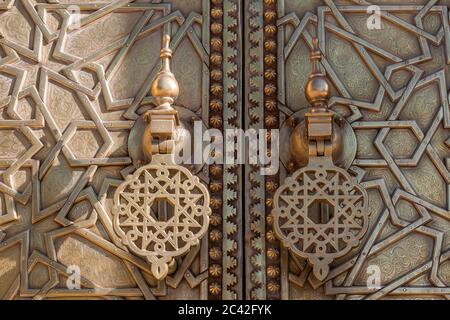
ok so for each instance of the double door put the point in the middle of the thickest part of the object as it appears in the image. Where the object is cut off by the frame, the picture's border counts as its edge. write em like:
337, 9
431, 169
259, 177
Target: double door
75, 81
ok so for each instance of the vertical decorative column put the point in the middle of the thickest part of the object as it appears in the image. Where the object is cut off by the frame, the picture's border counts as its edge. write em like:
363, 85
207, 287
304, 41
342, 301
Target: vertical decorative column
232, 233
271, 121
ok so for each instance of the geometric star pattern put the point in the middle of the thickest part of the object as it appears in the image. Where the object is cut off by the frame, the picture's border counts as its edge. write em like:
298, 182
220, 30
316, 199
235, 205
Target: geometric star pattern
320, 240
403, 141
160, 239
55, 90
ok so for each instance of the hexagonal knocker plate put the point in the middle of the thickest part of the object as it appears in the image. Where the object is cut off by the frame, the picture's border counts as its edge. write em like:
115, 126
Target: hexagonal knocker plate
148, 233
320, 213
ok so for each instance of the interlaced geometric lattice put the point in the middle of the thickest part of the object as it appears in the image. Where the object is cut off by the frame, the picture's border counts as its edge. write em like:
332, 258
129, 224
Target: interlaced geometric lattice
143, 233
408, 187
325, 241
70, 93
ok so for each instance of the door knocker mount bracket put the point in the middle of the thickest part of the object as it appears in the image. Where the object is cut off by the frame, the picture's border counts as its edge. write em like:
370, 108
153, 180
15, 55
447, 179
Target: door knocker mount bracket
162, 209
320, 212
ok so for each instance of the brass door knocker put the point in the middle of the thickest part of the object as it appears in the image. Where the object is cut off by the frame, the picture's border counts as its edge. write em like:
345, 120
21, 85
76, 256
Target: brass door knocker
162, 210
320, 213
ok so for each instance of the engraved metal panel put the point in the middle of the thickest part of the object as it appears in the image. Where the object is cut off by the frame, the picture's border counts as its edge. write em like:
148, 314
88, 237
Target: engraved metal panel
391, 84
73, 80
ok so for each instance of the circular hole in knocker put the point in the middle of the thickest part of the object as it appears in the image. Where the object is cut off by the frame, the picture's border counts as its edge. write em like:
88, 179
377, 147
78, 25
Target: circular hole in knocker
320, 212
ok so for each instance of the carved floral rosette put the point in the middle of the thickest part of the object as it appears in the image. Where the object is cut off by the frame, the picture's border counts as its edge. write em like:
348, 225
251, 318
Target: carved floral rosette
140, 230
320, 242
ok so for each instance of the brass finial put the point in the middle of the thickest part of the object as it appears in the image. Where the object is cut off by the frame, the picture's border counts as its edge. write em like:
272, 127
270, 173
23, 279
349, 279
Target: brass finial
317, 90
165, 87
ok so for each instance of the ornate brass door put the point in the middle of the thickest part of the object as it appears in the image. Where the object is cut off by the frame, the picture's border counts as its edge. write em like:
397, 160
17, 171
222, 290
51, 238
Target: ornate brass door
389, 81
81, 88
